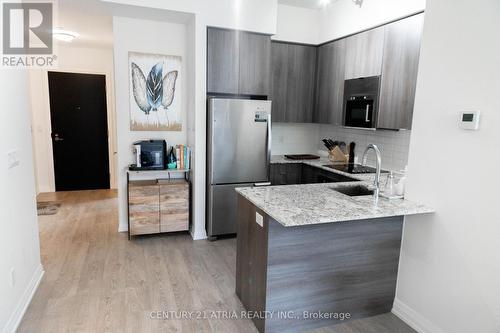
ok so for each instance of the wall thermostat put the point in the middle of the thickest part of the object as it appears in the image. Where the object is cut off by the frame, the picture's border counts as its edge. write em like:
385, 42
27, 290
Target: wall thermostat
469, 120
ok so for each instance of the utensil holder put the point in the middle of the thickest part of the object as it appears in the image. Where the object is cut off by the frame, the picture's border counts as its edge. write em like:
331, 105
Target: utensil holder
337, 156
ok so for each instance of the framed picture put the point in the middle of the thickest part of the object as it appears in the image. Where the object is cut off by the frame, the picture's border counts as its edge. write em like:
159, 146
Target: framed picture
155, 91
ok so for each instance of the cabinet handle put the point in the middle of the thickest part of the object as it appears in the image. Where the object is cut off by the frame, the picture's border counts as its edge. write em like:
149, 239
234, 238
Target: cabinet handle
367, 119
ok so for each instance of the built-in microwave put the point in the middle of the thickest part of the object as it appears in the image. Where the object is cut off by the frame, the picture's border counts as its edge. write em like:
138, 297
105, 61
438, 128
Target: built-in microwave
361, 102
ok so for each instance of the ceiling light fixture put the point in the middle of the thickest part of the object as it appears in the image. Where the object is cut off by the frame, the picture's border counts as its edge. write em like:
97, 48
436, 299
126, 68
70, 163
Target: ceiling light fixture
358, 2
64, 35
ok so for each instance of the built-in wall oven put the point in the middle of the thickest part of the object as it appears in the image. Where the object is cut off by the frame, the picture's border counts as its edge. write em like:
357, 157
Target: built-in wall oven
361, 102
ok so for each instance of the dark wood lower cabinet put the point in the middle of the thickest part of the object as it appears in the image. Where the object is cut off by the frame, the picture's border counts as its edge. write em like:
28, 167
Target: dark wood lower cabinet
300, 173
348, 268
286, 173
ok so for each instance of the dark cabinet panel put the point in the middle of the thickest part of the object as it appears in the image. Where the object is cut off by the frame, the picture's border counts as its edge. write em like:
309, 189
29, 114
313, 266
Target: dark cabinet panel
279, 77
399, 73
255, 64
364, 52
309, 174
222, 61
313, 175
293, 173
286, 174
300, 91
238, 62
330, 83
293, 80
299, 173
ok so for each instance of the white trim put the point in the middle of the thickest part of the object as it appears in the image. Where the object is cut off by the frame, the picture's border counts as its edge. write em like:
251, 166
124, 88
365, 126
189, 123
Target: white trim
122, 228
24, 302
198, 235
414, 319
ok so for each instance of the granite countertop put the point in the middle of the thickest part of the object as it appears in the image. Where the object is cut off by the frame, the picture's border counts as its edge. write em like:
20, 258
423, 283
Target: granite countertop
296, 205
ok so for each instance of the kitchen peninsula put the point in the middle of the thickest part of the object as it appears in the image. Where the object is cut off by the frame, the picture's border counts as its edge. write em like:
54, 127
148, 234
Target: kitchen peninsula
309, 249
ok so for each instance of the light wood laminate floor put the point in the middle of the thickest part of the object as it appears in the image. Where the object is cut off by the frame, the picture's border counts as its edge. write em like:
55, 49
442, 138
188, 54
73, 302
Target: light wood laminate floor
96, 280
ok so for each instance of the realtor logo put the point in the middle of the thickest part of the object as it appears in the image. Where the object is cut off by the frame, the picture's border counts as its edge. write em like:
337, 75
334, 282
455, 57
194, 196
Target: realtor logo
27, 28
27, 35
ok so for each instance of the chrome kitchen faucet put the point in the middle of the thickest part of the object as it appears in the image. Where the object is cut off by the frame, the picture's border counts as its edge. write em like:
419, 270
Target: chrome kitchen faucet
376, 182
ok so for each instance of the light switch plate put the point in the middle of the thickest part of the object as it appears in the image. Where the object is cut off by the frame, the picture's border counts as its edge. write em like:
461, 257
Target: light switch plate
259, 219
12, 158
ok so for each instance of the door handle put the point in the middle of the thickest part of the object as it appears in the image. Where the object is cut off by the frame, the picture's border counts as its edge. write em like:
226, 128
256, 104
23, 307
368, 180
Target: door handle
57, 138
367, 113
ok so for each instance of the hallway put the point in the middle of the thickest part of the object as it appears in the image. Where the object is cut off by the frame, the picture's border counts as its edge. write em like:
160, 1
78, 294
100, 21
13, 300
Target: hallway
98, 281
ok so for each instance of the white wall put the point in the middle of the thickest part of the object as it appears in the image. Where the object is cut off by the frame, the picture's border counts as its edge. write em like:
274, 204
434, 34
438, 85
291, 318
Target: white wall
147, 37
296, 24
250, 15
70, 59
450, 266
19, 242
343, 17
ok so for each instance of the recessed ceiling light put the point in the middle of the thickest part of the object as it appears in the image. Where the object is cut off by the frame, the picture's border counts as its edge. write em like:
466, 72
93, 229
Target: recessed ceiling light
64, 35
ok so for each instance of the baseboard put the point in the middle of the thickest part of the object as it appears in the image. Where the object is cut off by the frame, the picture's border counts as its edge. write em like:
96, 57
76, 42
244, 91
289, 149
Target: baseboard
17, 315
45, 189
198, 235
414, 319
122, 227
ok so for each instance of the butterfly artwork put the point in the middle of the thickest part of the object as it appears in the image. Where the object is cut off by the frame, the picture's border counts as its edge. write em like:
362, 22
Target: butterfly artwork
154, 85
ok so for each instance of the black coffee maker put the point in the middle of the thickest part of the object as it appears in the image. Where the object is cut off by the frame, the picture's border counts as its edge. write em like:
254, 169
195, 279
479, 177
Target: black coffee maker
150, 155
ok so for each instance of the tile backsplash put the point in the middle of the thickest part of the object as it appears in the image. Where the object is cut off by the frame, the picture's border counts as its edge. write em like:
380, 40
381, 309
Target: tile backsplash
393, 145
306, 138
289, 138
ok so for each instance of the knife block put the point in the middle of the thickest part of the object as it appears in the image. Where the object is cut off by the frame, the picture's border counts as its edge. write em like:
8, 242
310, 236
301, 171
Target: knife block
336, 155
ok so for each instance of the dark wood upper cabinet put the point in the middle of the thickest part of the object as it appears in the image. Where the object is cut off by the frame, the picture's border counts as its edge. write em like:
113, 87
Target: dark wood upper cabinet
306, 83
330, 83
301, 82
223, 64
279, 80
364, 52
293, 81
255, 64
238, 62
399, 73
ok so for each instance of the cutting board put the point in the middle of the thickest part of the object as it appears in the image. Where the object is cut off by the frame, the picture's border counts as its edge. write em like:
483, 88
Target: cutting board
302, 157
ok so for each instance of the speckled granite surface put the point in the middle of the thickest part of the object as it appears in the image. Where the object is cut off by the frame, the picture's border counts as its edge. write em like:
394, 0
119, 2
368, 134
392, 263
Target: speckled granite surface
296, 205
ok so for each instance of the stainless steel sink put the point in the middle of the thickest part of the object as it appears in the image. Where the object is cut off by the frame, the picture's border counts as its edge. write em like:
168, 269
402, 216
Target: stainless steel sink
354, 190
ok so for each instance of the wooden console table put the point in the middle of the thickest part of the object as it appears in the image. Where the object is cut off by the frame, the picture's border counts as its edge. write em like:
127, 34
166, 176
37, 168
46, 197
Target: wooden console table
158, 203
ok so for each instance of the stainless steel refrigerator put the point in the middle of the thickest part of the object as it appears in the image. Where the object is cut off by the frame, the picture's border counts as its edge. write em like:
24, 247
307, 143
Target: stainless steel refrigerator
238, 155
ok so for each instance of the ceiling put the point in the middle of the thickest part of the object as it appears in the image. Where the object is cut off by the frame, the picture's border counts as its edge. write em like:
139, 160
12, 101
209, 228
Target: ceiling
89, 18
93, 19
311, 4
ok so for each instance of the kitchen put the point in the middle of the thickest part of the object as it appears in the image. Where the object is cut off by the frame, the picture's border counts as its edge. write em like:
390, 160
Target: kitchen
280, 206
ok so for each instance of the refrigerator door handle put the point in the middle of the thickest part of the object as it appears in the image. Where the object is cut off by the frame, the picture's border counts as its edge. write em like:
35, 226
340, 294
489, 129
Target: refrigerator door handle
262, 184
268, 144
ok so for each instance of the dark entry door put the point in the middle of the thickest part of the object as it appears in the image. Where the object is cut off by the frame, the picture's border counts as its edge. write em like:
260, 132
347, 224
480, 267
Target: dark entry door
79, 131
